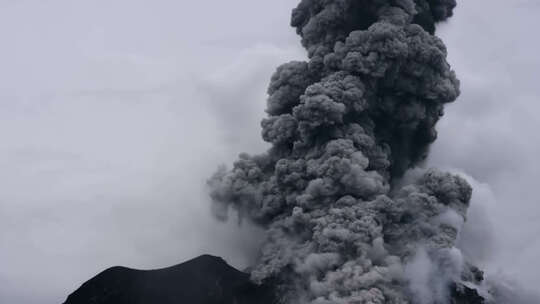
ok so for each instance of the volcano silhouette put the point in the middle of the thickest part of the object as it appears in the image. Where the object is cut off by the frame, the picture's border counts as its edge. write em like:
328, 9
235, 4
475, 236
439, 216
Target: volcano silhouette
204, 280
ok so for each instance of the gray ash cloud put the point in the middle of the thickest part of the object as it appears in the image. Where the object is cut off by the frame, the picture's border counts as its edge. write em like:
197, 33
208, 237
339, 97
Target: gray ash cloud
342, 224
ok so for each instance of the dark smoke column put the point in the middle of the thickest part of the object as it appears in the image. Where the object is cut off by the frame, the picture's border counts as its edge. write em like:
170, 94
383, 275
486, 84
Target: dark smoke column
344, 127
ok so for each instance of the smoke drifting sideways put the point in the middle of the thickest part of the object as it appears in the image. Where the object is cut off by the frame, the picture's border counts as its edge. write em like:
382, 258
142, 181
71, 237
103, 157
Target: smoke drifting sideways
342, 223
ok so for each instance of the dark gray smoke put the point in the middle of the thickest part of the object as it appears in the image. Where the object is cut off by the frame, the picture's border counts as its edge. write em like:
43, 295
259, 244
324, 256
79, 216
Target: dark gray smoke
343, 225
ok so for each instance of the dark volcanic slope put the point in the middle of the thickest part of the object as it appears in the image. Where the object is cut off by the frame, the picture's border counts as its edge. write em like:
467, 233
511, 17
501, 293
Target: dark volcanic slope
203, 280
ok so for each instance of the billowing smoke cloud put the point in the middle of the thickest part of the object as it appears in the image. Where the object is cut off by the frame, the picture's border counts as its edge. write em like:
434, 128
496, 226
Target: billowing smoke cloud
342, 224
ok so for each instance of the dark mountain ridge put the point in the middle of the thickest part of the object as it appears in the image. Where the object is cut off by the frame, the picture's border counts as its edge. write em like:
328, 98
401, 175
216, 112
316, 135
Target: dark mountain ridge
203, 280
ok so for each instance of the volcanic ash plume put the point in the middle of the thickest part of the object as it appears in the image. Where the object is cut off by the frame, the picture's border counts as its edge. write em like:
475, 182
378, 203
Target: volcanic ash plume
343, 225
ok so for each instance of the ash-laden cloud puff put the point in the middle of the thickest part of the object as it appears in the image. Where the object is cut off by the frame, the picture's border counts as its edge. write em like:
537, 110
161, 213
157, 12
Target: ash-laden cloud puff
341, 224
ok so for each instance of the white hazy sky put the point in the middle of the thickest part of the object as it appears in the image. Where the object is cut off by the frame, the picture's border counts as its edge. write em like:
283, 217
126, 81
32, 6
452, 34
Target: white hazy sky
113, 114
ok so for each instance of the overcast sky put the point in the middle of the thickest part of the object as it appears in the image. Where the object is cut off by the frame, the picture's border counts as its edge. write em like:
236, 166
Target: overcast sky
113, 114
